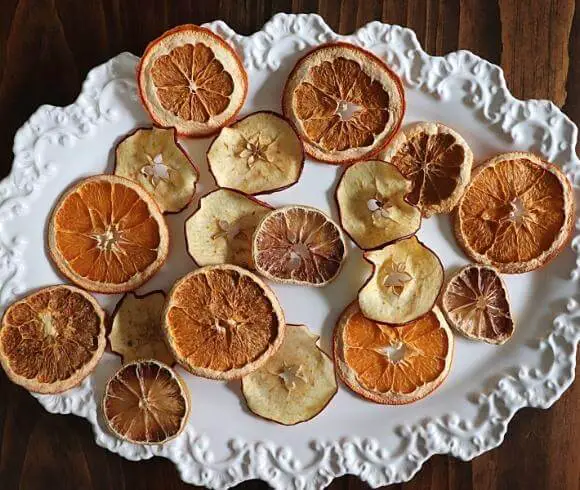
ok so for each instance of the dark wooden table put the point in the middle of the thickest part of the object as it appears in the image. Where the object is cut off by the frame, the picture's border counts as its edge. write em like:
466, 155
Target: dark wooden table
46, 50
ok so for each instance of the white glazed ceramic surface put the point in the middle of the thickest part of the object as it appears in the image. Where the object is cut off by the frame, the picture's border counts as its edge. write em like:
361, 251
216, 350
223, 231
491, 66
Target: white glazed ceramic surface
224, 444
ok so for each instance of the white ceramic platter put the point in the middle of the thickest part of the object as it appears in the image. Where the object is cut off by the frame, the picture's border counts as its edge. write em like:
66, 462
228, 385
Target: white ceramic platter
224, 444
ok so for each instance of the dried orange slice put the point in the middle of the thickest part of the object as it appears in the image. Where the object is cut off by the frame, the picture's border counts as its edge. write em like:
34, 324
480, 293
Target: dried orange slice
222, 322
153, 158
221, 229
406, 280
373, 207
146, 402
257, 154
107, 234
299, 245
52, 339
437, 160
517, 213
193, 80
476, 303
136, 331
296, 383
344, 101
390, 364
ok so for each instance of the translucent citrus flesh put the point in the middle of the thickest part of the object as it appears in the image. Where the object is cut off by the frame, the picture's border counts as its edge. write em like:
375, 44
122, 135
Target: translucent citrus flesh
191, 83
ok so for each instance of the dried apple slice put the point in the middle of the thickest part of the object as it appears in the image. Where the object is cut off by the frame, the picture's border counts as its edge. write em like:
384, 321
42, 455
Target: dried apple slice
259, 153
153, 158
373, 206
295, 384
221, 229
406, 280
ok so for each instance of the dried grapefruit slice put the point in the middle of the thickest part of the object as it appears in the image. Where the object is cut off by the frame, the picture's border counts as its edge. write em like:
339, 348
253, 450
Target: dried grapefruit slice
344, 101
191, 79
517, 213
296, 383
406, 280
476, 303
390, 364
373, 207
221, 229
107, 234
437, 160
52, 339
153, 158
222, 322
146, 402
257, 154
299, 245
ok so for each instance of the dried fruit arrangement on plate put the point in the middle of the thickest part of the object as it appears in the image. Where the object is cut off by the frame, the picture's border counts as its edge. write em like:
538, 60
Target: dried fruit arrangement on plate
393, 344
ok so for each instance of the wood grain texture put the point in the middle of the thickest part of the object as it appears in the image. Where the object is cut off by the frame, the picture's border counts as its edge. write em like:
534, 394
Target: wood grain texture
46, 50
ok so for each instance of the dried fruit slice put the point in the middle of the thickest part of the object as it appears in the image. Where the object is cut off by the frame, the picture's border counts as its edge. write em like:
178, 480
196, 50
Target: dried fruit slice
373, 207
52, 339
146, 402
517, 213
136, 331
153, 158
406, 280
390, 364
222, 322
476, 304
437, 160
299, 245
344, 101
107, 234
260, 153
295, 384
221, 229
191, 79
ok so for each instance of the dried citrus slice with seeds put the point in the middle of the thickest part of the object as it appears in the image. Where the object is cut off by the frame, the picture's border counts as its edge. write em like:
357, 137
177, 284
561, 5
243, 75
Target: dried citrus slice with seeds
437, 160
390, 364
146, 402
107, 234
259, 153
373, 207
136, 331
406, 280
221, 229
476, 303
222, 322
193, 80
296, 383
153, 158
52, 339
299, 245
344, 101
517, 213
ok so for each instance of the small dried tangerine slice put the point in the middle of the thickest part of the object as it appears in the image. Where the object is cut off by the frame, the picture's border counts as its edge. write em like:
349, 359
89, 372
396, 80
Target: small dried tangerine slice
390, 364
437, 160
146, 402
373, 206
220, 231
107, 234
476, 303
406, 280
299, 245
52, 339
222, 322
193, 80
153, 158
296, 383
517, 213
257, 154
345, 102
